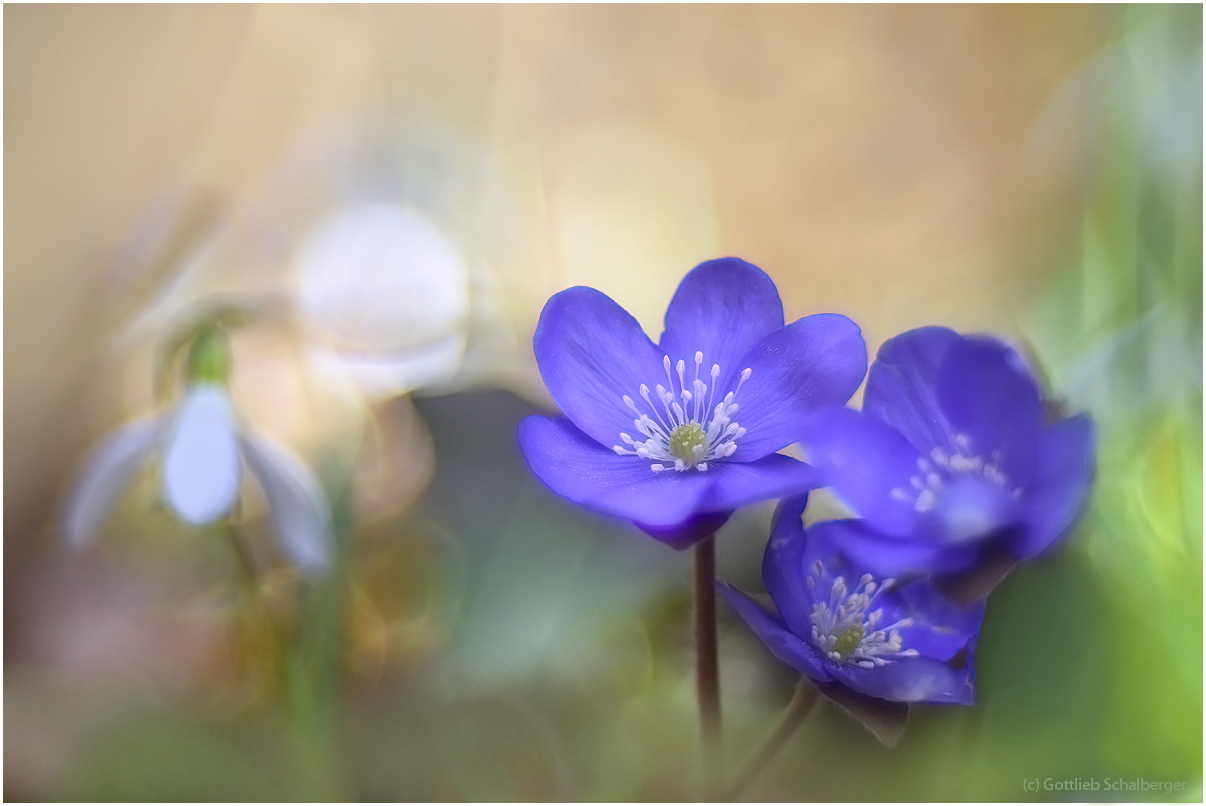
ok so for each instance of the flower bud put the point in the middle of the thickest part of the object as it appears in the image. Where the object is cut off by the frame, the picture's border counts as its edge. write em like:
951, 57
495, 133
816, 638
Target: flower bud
209, 357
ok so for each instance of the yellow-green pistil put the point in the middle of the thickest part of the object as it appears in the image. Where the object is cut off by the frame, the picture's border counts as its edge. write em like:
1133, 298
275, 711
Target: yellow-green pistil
685, 438
209, 357
849, 640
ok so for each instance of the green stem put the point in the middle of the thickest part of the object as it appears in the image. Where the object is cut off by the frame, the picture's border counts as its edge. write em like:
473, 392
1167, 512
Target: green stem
797, 711
707, 669
291, 671
256, 607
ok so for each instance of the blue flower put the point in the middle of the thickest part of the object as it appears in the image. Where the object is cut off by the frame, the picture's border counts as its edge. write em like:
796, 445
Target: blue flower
202, 446
859, 637
674, 436
950, 462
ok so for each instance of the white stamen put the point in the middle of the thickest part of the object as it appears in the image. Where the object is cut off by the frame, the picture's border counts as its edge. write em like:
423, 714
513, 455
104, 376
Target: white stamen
932, 476
689, 404
966, 464
844, 617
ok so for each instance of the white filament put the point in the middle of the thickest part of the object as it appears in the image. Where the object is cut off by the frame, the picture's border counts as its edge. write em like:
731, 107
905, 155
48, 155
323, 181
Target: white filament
846, 611
682, 406
933, 473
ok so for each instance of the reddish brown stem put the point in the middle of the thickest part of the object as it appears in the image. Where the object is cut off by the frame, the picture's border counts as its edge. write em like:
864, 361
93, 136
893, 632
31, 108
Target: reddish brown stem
707, 670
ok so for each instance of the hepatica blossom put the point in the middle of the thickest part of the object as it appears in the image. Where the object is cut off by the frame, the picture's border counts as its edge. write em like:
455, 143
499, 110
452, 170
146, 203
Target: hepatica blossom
950, 463
866, 641
202, 447
684, 431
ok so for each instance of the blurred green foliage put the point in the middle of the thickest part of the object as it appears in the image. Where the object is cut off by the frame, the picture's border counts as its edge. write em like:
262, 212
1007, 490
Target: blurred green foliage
1121, 333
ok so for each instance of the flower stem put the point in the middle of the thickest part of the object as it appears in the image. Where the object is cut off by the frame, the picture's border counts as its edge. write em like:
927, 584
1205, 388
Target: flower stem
291, 672
707, 670
246, 562
797, 711
251, 595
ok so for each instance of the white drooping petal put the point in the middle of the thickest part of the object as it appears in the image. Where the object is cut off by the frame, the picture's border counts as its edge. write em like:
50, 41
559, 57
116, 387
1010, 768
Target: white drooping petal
300, 515
105, 474
201, 468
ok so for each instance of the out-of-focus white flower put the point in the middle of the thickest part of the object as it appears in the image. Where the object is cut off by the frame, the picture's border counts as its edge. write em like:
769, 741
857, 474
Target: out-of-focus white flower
404, 255
389, 293
379, 260
202, 446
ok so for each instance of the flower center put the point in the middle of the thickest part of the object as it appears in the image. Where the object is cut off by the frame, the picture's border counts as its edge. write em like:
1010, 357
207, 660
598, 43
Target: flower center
844, 630
934, 473
690, 428
848, 641
686, 439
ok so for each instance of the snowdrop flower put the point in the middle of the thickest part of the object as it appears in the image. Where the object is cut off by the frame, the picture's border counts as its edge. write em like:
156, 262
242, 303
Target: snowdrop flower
201, 447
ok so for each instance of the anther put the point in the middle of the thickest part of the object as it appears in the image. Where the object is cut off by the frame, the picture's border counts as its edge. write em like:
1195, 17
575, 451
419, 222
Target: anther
686, 429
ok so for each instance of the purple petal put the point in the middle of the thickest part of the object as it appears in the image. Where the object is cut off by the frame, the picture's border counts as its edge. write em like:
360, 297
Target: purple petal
782, 643
940, 629
736, 484
883, 555
964, 573
864, 461
721, 308
591, 353
917, 679
1063, 473
987, 393
814, 362
689, 532
788, 517
783, 566
578, 468
901, 386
